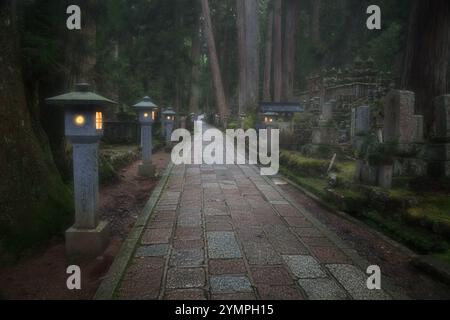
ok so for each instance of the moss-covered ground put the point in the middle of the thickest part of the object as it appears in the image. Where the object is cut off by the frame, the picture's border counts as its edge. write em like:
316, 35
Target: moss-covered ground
423, 224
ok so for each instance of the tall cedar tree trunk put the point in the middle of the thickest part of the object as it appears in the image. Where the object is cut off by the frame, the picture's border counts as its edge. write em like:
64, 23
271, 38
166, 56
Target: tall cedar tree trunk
315, 21
81, 57
194, 100
248, 45
240, 20
252, 53
34, 203
214, 61
427, 55
277, 52
292, 16
267, 92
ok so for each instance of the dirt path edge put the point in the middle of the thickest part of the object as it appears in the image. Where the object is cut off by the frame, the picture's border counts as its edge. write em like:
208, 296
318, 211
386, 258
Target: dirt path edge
112, 280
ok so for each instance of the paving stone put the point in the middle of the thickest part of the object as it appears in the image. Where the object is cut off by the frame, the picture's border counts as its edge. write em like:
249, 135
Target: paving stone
229, 266
330, 255
304, 267
219, 226
189, 221
223, 245
165, 216
298, 222
156, 236
261, 253
187, 258
185, 294
182, 278
234, 297
158, 250
230, 284
161, 225
317, 242
286, 210
142, 280
276, 276
278, 293
322, 289
188, 244
310, 232
284, 242
355, 282
215, 212
189, 233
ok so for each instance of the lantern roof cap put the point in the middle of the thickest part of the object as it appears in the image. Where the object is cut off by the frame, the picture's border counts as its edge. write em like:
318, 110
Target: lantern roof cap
169, 112
145, 103
80, 96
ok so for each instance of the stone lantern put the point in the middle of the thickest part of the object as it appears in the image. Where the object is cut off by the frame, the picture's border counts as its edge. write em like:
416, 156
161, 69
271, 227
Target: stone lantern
269, 118
84, 129
169, 120
146, 111
242, 116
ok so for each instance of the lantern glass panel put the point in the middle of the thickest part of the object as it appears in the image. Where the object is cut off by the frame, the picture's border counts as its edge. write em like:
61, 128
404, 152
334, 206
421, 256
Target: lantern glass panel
79, 120
99, 121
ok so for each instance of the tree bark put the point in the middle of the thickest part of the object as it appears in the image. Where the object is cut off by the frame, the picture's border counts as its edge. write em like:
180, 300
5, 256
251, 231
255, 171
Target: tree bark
240, 21
292, 9
34, 203
81, 58
214, 62
427, 54
194, 100
277, 52
267, 94
248, 46
315, 21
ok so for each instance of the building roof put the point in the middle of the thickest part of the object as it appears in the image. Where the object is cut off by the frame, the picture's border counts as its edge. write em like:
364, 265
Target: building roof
281, 107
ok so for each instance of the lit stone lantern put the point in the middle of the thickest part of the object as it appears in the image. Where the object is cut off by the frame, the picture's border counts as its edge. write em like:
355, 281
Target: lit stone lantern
146, 110
169, 120
84, 129
242, 116
269, 118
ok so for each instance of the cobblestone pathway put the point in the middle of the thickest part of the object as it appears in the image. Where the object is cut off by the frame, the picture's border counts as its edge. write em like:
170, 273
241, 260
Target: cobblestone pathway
225, 232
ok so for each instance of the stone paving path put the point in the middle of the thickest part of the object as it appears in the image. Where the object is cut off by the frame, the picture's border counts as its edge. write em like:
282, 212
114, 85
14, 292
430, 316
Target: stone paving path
225, 232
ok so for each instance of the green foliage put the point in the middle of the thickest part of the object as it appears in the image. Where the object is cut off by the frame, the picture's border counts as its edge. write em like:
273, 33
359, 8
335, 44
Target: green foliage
302, 166
375, 153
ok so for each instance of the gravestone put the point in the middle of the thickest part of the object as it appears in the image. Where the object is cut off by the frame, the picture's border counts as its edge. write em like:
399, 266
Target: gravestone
438, 154
360, 125
327, 112
399, 122
418, 129
442, 114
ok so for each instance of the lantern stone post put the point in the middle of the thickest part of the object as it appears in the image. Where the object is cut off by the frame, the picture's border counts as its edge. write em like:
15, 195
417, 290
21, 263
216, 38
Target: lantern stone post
269, 118
89, 236
146, 111
169, 120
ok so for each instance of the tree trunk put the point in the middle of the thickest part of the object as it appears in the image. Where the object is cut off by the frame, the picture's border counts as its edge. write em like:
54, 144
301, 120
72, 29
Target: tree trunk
214, 62
315, 21
427, 55
252, 52
34, 203
194, 101
277, 52
81, 56
248, 45
240, 20
267, 94
292, 9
